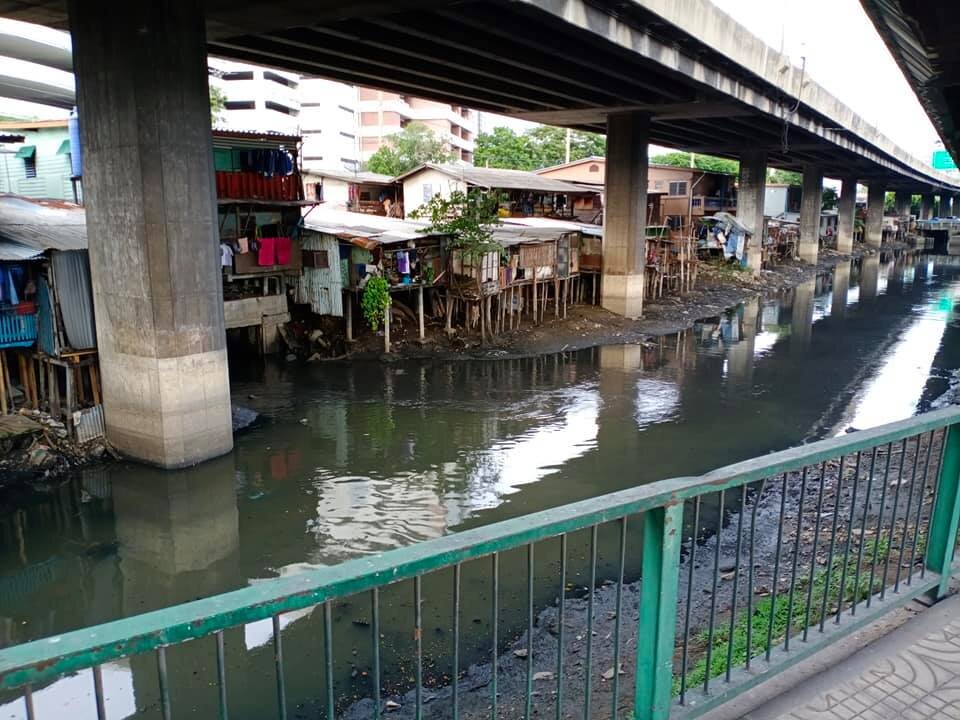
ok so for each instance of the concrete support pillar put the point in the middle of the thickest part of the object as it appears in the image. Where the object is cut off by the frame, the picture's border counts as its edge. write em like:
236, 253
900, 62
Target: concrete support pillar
927, 202
902, 201
810, 207
873, 231
750, 192
141, 74
846, 211
955, 206
625, 214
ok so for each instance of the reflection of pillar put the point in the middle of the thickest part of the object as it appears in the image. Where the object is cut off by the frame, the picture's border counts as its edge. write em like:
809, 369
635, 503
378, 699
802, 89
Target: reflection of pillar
750, 194
846, 210
869, 277
148, 185
740, 354
841, 286
873, 230
801, 318
810, 207
175, 532
172, 527
621, 357
625, 214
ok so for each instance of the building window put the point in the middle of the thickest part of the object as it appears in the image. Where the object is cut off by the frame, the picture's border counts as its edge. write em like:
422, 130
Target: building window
30, 166
319, 259
427, 192
239, 75
346, 109
318, 158
270, 105
678, 188
274, 77
240, 105
350, 162
348, 135
594, 168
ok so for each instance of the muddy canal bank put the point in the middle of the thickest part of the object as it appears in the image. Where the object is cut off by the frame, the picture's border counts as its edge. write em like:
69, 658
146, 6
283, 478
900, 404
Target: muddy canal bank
777, 539
719, 287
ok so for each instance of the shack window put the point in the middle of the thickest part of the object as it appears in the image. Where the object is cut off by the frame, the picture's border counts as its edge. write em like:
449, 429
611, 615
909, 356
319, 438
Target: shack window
678, 188
30, 166
316, 259
427, 192
594, 168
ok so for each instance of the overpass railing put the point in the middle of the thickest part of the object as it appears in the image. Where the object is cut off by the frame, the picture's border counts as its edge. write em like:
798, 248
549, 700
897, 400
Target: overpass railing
742, 572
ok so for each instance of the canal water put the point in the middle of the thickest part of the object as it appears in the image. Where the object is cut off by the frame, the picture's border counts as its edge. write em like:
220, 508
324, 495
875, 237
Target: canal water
359, 458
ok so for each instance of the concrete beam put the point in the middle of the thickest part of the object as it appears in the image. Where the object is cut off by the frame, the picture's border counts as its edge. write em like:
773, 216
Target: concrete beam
810, 208
152, 219
873, 230
625, 214
750, 194
846, 211
657, 113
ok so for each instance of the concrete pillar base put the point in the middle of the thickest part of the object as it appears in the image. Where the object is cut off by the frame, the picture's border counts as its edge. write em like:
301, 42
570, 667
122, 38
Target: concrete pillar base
623, 294
753, 177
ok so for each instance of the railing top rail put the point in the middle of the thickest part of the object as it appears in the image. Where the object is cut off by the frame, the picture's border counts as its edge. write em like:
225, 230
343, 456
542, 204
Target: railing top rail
45, 659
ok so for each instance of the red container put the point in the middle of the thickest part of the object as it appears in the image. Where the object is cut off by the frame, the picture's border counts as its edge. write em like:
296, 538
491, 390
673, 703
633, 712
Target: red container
27, 307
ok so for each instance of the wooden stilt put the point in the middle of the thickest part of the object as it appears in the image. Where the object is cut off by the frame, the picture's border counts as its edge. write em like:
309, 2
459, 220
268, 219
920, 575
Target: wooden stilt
95, 384
348, 315
556, 298
6, 382
534, 303
3, 387
420, 312
386, 331
54, 385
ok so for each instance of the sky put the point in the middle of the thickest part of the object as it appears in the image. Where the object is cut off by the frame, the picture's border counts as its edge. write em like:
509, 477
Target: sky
845, 55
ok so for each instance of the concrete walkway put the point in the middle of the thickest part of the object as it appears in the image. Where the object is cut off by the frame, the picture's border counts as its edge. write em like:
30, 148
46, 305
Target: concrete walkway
912, 673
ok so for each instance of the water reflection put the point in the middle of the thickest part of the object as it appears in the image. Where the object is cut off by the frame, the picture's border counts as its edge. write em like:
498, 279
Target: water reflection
361, 458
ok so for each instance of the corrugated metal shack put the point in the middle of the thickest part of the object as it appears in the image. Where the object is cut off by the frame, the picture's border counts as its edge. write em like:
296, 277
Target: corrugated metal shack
48, 355
342, 250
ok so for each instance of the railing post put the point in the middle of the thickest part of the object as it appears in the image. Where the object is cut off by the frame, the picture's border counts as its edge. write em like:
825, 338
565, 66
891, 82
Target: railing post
946, 512
662, 533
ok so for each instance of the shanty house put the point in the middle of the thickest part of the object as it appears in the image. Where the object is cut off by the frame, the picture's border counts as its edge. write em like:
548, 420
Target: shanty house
362, 192
524, 194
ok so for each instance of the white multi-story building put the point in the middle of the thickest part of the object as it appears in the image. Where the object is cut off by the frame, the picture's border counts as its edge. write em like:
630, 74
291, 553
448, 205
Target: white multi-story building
257, 98
384, 113
328, 123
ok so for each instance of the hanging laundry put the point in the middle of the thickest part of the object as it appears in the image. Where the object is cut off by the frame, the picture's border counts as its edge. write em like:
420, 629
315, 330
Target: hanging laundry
243, 245
226, 255
403, 263
284, 250
267, 254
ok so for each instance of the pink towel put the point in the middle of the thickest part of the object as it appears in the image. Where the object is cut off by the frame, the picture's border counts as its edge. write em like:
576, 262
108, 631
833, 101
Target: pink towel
267, 255
284, 250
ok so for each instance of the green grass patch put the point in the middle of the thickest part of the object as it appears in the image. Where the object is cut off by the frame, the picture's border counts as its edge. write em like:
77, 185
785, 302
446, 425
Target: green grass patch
778, 612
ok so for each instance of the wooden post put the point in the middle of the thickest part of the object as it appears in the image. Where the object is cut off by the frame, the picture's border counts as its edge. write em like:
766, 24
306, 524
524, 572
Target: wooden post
556, 297
386, 330
53, 384
449, 303
6, 380
348, 311
3, 387
70, 390
95, 383
534, 291
44, 389
420, 312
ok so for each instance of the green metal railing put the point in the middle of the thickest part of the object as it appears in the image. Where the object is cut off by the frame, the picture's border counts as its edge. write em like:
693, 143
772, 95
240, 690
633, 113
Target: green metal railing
743, 572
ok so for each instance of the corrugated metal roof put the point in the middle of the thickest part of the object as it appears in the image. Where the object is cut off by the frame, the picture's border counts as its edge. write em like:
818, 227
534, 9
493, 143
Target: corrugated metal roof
376, 228
500, 179
347, 176
41, 224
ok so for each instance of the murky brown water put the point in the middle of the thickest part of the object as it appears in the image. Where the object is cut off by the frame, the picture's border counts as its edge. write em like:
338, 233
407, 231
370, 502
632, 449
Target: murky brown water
361, 458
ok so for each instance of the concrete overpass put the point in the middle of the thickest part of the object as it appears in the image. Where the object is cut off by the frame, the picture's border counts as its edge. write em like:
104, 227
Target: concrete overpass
673, 72
922, 37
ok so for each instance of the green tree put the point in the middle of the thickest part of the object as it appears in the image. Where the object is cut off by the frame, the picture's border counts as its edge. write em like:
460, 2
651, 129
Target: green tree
708, 163
503, 148
218, 102
784, 177
830, 199
536, 148
467, 218
414, 145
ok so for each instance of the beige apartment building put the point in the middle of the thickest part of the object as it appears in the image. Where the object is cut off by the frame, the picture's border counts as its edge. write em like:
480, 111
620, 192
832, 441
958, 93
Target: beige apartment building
384, 113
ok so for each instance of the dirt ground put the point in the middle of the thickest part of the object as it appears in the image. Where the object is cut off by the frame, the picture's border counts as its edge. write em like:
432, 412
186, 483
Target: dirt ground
718, 288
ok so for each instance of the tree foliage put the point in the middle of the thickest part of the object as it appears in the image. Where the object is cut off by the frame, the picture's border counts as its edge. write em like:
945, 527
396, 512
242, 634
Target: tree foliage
467, 218
708, 163
536, 148
218, 103
375, 301
830, 199
414, 145
784, 177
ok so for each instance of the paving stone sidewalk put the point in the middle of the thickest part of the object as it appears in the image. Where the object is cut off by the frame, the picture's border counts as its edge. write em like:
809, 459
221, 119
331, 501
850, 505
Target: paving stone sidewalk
914, 683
